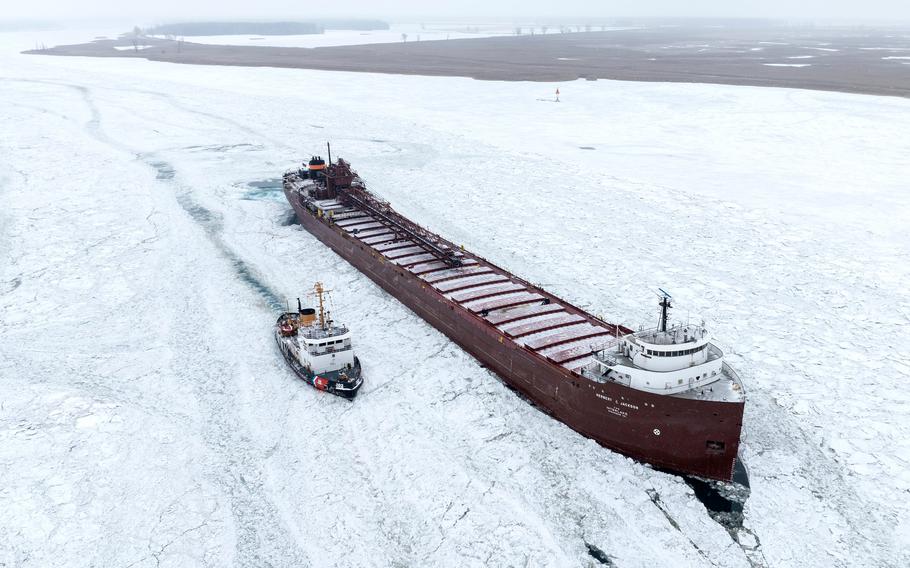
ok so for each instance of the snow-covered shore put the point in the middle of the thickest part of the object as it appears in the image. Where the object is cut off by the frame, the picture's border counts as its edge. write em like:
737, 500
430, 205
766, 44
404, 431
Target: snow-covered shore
146, 419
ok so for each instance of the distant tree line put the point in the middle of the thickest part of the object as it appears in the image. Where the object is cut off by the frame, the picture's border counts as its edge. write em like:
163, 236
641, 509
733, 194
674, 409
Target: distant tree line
264, 28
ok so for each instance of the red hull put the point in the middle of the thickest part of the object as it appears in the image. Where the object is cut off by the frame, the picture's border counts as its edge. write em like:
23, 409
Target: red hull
668, 432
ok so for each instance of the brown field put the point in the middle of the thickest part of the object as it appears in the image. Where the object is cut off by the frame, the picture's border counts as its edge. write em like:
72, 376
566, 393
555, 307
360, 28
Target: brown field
838, 59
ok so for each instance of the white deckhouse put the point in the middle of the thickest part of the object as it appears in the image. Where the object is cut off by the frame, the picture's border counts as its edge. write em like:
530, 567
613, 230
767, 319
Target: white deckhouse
670, 360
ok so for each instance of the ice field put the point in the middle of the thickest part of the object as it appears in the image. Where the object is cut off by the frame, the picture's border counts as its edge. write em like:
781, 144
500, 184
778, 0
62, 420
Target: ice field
146, 418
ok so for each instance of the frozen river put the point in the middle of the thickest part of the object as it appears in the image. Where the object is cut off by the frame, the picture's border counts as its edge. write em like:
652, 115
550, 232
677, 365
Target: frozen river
147, 420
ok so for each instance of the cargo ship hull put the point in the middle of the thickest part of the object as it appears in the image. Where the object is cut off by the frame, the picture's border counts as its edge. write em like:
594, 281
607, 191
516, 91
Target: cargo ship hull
677, 434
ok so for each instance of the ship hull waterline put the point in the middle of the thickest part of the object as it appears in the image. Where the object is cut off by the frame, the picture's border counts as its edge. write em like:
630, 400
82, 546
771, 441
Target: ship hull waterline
667, 432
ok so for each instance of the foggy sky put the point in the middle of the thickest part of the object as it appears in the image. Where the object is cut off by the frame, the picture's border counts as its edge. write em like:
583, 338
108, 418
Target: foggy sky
154, 11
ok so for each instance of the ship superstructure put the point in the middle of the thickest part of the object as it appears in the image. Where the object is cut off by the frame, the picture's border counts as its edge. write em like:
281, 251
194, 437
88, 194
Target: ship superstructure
614, 385
674, 360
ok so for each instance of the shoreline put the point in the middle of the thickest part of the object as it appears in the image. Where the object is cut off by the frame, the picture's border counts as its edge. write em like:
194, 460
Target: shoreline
860, 61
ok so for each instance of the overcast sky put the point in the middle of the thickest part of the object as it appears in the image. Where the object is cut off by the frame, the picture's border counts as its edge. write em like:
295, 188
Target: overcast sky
153, 11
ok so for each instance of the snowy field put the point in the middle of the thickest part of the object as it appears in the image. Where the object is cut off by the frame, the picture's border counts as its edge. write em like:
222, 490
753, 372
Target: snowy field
146, 418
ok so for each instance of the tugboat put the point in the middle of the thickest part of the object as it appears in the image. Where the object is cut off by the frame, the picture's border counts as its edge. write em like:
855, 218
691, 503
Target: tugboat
318, 350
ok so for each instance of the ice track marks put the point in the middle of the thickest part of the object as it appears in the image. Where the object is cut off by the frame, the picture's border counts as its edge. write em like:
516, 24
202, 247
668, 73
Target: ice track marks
211, 223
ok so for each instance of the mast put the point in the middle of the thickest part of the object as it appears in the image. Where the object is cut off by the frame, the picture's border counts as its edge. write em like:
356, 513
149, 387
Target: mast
329, 146
319, 291
664, 309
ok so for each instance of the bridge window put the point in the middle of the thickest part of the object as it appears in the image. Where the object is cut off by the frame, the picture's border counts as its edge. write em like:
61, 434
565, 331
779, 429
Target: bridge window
679, 353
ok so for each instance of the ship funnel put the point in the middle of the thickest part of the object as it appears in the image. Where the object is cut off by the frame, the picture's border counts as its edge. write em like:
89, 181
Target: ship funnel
307, 317
316, 165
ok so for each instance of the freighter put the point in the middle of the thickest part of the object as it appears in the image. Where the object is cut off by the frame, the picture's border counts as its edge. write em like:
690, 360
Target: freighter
663, 396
